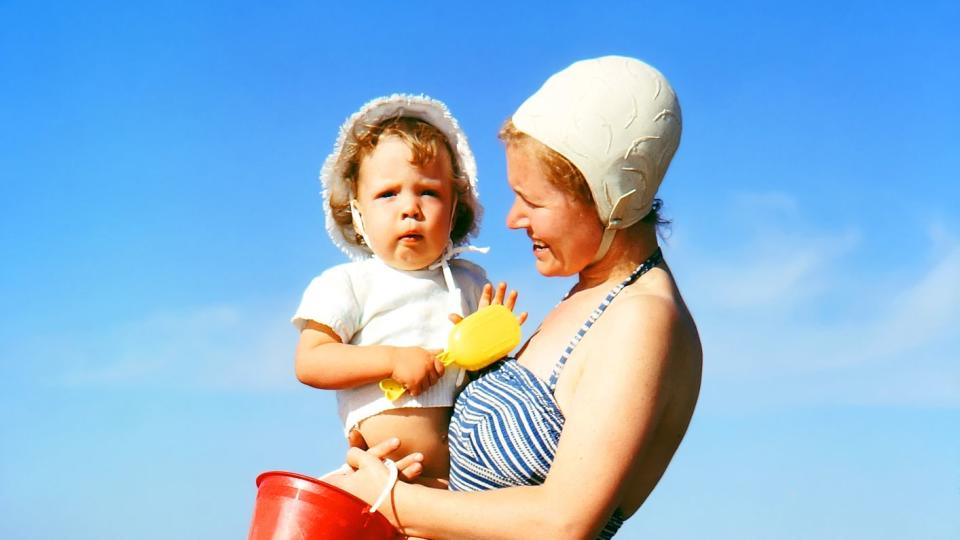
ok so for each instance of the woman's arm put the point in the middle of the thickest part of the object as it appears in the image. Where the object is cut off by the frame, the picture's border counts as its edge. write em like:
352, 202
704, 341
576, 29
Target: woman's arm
322, 361
610, 419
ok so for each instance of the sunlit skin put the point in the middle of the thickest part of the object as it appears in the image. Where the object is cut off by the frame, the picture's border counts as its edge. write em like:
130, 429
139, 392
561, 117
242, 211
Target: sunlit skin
546, 213
406, 210
627, 392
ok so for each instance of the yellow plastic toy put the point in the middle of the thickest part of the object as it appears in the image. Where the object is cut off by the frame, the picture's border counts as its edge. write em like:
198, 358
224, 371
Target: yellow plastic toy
473, 343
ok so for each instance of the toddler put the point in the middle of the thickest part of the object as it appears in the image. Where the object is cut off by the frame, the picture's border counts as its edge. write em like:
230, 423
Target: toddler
399, 196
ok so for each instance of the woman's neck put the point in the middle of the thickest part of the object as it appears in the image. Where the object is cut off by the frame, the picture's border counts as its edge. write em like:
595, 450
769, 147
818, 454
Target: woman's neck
629, 249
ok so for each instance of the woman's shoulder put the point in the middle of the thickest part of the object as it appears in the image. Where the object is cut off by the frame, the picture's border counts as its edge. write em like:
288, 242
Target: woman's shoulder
648, 323
655, 297
636, 316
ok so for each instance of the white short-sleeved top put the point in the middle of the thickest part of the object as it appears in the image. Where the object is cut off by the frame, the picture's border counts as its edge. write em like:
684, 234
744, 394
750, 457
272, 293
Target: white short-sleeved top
371, 303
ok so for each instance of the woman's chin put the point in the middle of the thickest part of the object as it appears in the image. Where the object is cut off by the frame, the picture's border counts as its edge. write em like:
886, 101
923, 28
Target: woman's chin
551, 268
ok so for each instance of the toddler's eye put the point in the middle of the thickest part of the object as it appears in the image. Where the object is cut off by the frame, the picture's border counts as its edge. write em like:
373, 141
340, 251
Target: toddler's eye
431, 193
386, 194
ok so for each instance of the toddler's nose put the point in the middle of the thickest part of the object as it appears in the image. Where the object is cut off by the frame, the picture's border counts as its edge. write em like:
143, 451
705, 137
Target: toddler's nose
410, 208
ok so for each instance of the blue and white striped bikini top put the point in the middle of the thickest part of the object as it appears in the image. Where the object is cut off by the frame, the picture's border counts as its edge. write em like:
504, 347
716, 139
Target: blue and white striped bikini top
506, 424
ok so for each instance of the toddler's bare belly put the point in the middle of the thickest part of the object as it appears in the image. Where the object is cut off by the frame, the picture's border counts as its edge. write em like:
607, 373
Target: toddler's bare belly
421, 430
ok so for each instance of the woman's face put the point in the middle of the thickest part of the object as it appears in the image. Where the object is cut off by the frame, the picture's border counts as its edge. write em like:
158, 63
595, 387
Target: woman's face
564, 232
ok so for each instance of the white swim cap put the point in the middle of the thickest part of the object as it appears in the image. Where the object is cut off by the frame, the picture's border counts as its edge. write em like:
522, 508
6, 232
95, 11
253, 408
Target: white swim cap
618, 121
336, 187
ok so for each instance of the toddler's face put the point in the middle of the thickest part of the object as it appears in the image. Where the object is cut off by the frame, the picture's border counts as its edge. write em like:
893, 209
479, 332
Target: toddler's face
406, 209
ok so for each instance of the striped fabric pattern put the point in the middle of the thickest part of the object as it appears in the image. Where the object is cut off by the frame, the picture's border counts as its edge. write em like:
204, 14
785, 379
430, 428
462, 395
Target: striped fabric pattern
506, 424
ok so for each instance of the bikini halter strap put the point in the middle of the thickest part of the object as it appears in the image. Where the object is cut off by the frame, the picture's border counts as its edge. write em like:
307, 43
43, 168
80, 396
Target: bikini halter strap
654, 259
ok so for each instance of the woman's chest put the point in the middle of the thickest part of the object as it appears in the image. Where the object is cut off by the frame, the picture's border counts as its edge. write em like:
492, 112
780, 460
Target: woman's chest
561, 346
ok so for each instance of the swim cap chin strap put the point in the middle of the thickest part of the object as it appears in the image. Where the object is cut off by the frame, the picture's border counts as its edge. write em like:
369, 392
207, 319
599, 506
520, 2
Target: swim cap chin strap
615, 222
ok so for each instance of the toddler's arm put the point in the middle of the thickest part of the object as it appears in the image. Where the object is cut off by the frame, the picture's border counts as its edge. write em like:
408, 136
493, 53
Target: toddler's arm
322, 361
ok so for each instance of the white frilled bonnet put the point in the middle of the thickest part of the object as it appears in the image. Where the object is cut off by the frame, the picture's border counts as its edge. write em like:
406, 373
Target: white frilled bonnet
335, 186
618, 121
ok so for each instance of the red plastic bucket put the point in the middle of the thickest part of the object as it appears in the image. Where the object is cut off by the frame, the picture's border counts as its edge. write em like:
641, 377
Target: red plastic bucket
293, 506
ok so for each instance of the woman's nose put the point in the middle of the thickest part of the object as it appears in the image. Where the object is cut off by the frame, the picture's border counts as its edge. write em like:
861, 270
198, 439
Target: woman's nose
515, 217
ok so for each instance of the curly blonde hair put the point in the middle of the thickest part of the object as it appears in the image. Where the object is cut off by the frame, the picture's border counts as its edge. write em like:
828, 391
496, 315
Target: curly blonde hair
426, 143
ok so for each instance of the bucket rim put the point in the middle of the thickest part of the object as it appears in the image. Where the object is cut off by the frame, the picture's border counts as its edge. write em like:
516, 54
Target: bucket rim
312, 479
316, 481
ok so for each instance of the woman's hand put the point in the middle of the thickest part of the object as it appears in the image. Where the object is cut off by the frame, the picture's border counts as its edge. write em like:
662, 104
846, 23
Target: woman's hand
409, 468
371, 476
488, 297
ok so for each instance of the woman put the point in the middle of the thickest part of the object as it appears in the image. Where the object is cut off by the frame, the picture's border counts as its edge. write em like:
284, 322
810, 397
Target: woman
576, 432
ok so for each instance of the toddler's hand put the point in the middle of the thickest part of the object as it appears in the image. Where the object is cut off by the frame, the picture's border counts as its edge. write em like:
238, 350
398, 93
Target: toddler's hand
415, 368
488, 297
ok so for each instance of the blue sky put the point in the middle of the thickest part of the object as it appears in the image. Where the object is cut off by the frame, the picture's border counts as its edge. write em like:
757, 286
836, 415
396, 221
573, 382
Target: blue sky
160, 216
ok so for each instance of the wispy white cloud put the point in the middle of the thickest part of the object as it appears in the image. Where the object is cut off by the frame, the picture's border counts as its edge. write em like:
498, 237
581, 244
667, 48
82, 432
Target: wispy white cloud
774, 274
208, 347
925, 310
781, 322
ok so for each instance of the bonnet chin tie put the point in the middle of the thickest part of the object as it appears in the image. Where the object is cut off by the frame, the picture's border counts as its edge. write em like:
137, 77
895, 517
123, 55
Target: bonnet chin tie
358, 222
454, 298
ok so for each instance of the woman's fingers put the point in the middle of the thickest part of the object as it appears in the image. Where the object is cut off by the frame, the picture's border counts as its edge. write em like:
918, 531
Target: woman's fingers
411, 472
365, 459
356, 456
410, 466
409, 460
378, 451
522, 318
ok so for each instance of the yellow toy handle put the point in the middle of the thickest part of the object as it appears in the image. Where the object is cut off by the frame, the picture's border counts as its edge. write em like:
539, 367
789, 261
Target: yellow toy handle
392, 390
473, 343
445, 358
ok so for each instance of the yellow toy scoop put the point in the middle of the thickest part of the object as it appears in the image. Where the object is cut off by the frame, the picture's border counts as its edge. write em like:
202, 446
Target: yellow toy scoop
473, 343
392, 390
